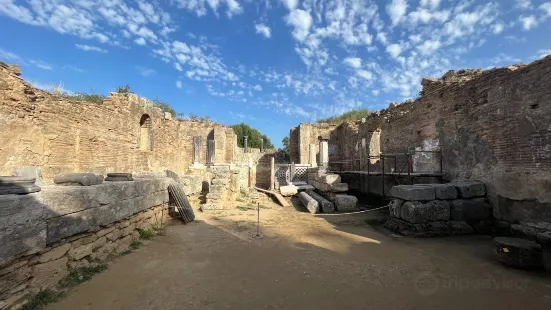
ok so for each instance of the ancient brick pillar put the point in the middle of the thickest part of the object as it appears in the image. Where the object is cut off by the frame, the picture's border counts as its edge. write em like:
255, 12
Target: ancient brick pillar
312, 156
211, 151
197, 150
324, 153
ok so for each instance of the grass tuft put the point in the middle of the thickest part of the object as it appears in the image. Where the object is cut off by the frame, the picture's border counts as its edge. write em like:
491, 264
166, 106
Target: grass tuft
135, 244
41, 299
80, 275
147, 234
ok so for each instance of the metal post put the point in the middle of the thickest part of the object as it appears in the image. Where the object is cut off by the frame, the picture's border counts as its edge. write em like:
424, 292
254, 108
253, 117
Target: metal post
409, 170
258, 234
383, 176
245, 147
441, 166
368, 176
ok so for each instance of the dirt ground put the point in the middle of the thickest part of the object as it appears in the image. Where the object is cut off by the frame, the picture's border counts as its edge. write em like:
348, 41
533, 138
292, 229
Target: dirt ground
307, 262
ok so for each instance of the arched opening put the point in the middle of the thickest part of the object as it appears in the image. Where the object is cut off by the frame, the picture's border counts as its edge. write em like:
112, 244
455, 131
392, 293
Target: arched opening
145, 133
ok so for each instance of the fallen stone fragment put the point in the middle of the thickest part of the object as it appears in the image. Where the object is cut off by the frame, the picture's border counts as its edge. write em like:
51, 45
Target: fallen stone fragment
78, 179
288, 190
310, 203
17, 185
345, 203
519, 253
119, 177
325, 205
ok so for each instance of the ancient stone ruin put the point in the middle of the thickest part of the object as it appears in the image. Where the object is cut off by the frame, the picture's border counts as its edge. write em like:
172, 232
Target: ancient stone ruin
81, 180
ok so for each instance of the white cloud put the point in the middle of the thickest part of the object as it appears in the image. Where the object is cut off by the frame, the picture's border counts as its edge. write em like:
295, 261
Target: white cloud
394, 50
179, 84
397, 10
290, 4
301, 22
524, 4
41, 65
528, 22
7, 55
263, 30
429, 47
353, 62
498, 28
433, 4
546, 7
146, 72
365, 74
91, 48
140, 41
257, 87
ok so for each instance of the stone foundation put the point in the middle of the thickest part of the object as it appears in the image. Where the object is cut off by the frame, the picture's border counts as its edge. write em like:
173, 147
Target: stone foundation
439, 209
45, 234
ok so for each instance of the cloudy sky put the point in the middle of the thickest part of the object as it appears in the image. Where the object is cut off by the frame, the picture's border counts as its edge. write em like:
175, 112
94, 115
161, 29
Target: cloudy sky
269, 63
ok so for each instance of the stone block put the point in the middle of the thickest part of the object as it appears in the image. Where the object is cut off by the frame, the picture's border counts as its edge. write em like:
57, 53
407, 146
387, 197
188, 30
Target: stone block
345, 203
288, 190
71, 224
310, 203
112, 192
432, 211
144, 187
128, 229
214, 196
470, 189
105, 231
54, 253
412, 192
19, 240
13, 279
103, 252
17, 185
306, 187
78, 179
124, 243
475, 209
524, 232
67, 200
325, 205
459, 228
217, 189
48, 274
537, 224
519, 253
395, 207
81, 251
20, 209
444, 191
331, 178
224, 182
99, 243
31, 172
339, 187
209, 206
544, 238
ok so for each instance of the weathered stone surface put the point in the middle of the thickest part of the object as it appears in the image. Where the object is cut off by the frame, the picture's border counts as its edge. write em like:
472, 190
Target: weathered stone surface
20, 209
71, 224
119, 177
306, 187
474, 209
54, 253
537, 224
519, 253
331, 178
114, 235
444, 191
345, 203
412, 192
310, 203
112, 192
13, 279
395, 207
432, 211
224, 182
124, 243
214, 196
470, 189
288, 190
21, 239
32, 172
459, 228
217, 189
48, 274
17, 185
339, 187
106, 231
103, 252
78, 179
81, 251
65, 200
524, 232
212, 206
544, 238
99, 243
325, 205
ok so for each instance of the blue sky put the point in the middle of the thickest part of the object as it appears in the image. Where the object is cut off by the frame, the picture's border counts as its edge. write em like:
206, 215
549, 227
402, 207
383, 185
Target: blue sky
269, 63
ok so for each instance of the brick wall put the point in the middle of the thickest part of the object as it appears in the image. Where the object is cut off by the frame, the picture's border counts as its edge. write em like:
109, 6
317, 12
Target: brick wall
61, 136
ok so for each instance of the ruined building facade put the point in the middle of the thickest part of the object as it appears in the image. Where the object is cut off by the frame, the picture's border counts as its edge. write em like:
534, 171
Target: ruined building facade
493, 126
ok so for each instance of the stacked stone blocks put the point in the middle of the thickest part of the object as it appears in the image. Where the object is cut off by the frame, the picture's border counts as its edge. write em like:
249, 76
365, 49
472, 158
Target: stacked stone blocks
332, 189
439, 209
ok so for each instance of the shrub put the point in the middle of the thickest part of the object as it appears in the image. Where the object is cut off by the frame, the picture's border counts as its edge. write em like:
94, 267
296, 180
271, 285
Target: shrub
353, 115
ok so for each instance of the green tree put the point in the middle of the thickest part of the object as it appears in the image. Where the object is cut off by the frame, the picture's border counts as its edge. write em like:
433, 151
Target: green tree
165, 107
285, 151
253, 136
350, 116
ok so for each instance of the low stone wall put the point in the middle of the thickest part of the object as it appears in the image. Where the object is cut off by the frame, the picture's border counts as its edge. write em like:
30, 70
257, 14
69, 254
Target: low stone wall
44, 234
440, 209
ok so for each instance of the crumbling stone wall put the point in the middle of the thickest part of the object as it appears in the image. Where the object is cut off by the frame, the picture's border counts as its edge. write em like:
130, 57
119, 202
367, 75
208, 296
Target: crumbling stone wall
43, 234
60, 135
305, 134
493, 126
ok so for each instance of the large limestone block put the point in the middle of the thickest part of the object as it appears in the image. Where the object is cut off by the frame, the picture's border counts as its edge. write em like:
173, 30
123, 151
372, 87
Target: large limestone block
60, 200
48, 274
339, 187
345, 203
310, 203
144, 187
416, 212
54, 253
18, 240
325, 205
13, 279
444, 191
71, 224
412, 192
519, 253
111, 192
217, 189
470, 189
20, 209
395, 208
470, 209
191, 184
119, 177
331, 178
288, 190
17, 185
